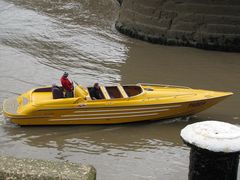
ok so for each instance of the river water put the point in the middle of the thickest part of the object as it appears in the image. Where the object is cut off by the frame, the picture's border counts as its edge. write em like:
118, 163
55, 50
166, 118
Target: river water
41, 39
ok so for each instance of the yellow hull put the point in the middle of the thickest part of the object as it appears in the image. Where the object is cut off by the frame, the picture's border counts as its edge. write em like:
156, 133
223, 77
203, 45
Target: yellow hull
159, 103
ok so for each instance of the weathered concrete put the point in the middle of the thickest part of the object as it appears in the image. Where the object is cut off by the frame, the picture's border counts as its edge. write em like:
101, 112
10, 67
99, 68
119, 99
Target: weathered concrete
208, 24
215, 149
29, 169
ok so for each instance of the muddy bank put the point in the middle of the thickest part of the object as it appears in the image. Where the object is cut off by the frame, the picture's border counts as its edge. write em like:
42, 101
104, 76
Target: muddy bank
213, 25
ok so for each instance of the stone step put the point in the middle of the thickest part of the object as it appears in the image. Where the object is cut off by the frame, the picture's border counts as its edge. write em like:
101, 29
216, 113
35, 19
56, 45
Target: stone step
30, 169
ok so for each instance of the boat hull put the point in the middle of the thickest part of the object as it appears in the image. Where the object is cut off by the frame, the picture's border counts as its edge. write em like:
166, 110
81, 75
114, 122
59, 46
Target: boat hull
112, 115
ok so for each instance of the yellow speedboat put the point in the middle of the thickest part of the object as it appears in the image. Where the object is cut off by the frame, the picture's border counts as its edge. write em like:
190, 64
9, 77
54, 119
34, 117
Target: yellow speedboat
121, 104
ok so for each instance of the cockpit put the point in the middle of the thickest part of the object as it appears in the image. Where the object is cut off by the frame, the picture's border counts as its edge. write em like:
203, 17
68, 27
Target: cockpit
119, 91
107, 92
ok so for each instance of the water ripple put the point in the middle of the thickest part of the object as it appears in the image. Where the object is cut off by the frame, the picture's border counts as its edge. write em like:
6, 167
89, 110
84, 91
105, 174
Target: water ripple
81, 48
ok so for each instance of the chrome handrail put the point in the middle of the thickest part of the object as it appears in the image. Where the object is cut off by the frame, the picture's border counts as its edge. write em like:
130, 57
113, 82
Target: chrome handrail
164, 85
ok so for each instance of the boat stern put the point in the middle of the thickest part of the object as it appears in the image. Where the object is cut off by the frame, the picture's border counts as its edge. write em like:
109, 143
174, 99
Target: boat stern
10, 107
13, 107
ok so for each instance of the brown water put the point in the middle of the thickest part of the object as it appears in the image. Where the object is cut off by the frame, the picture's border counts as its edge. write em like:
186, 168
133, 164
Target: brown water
41, 39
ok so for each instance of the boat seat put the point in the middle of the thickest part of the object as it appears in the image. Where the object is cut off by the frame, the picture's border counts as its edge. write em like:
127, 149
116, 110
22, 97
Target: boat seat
78, 92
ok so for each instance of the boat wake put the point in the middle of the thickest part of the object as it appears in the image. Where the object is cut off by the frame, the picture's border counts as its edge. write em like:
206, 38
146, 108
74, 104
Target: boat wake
176, 120
3, 119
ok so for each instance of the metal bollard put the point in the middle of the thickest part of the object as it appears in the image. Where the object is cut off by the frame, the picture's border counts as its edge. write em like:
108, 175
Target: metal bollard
215, 148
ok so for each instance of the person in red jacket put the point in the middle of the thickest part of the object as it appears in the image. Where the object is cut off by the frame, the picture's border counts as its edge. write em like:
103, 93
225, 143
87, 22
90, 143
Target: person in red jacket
67, 85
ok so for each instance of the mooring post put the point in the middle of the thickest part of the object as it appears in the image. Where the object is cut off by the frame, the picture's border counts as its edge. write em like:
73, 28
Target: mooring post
215, 148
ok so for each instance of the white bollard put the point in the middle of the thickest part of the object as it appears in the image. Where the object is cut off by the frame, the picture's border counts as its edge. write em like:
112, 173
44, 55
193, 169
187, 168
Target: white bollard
215, 148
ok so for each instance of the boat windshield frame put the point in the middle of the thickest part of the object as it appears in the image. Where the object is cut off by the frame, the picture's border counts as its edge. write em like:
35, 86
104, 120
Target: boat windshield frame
120, 98
139, 85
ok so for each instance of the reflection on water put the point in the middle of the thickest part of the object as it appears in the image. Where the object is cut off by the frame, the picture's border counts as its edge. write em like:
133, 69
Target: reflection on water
104, 137
101, 145
41, 39
77, 44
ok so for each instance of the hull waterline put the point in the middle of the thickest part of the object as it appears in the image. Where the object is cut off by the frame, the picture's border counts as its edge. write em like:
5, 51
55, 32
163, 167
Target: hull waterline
115, 115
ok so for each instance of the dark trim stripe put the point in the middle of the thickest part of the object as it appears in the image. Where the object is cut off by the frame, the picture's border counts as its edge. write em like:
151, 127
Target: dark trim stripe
111, 107
127, 109
114, 113
107, 118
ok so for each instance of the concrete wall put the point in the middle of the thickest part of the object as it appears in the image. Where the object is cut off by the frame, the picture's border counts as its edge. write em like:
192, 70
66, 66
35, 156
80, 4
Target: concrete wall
209, 24
29, 169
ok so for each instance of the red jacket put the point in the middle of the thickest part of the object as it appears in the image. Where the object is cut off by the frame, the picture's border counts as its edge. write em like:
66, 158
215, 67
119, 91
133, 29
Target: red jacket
66, 84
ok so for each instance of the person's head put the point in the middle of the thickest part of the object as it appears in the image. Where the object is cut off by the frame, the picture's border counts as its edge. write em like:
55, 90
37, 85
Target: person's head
65, 74
96, 85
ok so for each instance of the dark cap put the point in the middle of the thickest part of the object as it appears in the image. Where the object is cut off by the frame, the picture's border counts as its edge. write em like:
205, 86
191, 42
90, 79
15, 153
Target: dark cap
65, 74
96, 85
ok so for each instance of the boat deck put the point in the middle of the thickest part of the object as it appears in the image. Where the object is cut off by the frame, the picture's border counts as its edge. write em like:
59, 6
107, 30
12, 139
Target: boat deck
41, 96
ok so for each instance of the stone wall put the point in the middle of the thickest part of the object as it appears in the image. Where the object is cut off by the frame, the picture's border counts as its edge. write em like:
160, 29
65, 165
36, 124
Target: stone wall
208, 24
